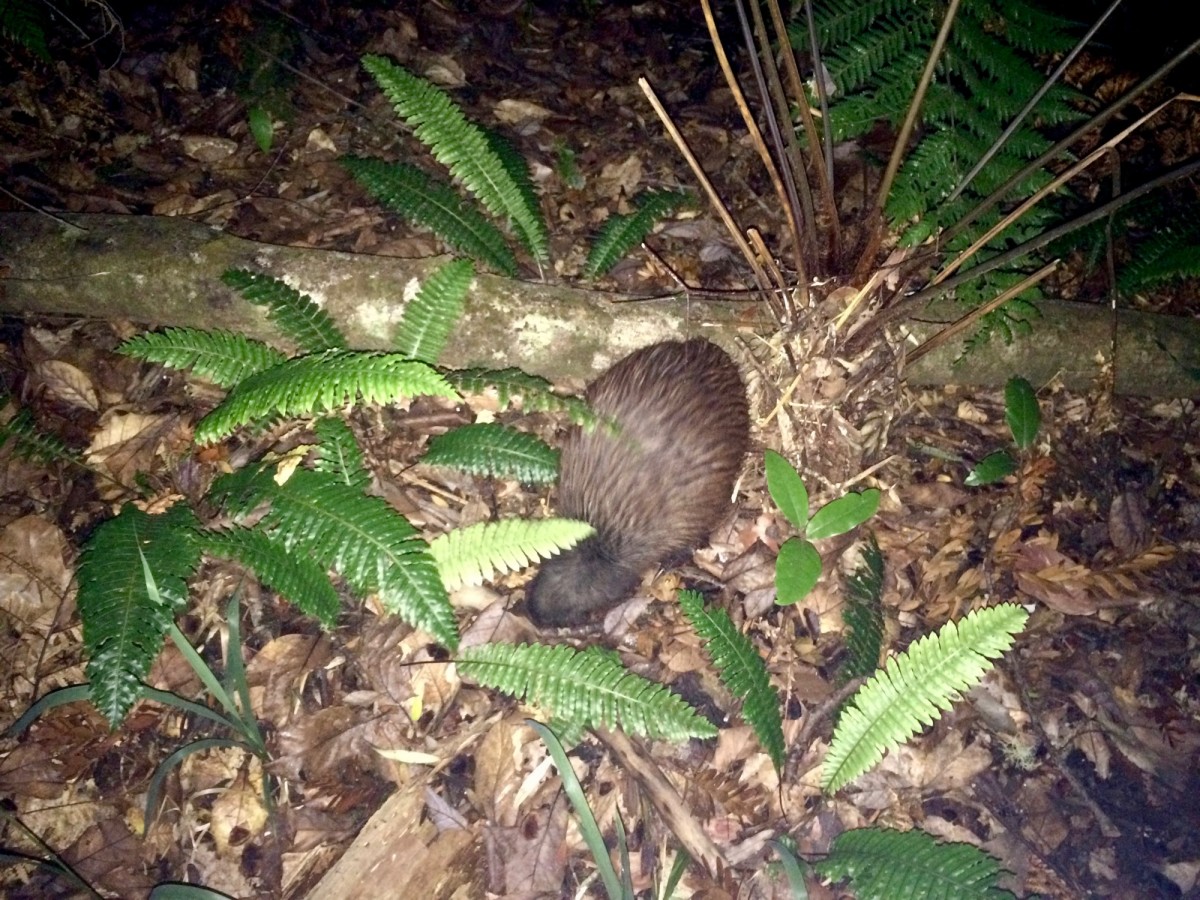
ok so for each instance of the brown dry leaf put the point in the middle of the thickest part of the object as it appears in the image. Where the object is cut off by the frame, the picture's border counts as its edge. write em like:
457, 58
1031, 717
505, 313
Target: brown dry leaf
500, 760
1052, 577
276, 674
937, 495
238, 813
128, 443
211, 769
532, 855
620, 179
396, 663
519, 112
1043, 819
69, 384
102, 856
1127, 527
1093, 745
34, 579
948, 765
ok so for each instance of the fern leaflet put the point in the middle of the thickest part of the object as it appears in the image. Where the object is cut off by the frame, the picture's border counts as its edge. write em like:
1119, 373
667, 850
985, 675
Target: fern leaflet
31, 444
296, 576
535, 394
473, 554
495, 450
463, 148
431, 315
301, 319
222, 357
338, 453
587, 689
125, 614
885, 863
911, 689
433, 205
320, 382
742, 670
622, 233
339, 527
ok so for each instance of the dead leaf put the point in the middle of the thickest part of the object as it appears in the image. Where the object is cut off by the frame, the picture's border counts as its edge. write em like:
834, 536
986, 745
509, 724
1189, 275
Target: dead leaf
34, 578
238, 813
69, 384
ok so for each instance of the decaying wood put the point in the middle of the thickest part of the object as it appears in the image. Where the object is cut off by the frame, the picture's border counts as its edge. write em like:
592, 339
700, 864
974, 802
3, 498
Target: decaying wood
166, 271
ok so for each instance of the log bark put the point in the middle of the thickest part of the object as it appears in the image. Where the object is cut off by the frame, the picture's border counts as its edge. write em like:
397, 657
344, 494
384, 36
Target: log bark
166, 271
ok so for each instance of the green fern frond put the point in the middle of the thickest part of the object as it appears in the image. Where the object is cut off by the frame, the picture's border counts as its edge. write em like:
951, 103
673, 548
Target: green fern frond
222, 357
622, 233
884, 863
463, 148
300, 319
889, 40
338, 453
431, 315
1171, 252
319, 382
296, 576
518, 170
742, 670
534, 394
339, 527
430, 204
588, 688
842, 20
494, 450
984, 78
30, 443
476, 553
863, 614
21, 22
124, 618
911, 689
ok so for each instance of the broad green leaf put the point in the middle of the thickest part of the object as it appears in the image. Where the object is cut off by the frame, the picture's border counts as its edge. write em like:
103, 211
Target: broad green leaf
1022, 412
796, 570
991, 469
843, 514
787, 490
261, 127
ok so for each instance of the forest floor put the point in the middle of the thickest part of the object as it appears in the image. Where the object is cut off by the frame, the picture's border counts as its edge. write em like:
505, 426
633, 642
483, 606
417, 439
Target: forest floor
1076, 763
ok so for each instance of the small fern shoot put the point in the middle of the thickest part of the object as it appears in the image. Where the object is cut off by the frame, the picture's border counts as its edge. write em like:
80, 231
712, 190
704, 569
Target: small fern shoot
296, 576
431, 315
222, 357
885, 863
427, 203
742, 670
338, 453
911, 689
295, 313
621, 233
534, 394
584, 689
29, 443
473, 554
863, 614
463, 148
320, 382
132, 581
375, 549
494, 450
23, 23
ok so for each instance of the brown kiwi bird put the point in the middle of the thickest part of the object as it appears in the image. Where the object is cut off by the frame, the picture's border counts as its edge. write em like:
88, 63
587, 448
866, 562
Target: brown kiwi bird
653, 487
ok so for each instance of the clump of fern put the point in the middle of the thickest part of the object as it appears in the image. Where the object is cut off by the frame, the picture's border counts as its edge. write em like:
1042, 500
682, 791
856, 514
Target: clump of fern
489, 184
296, 520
